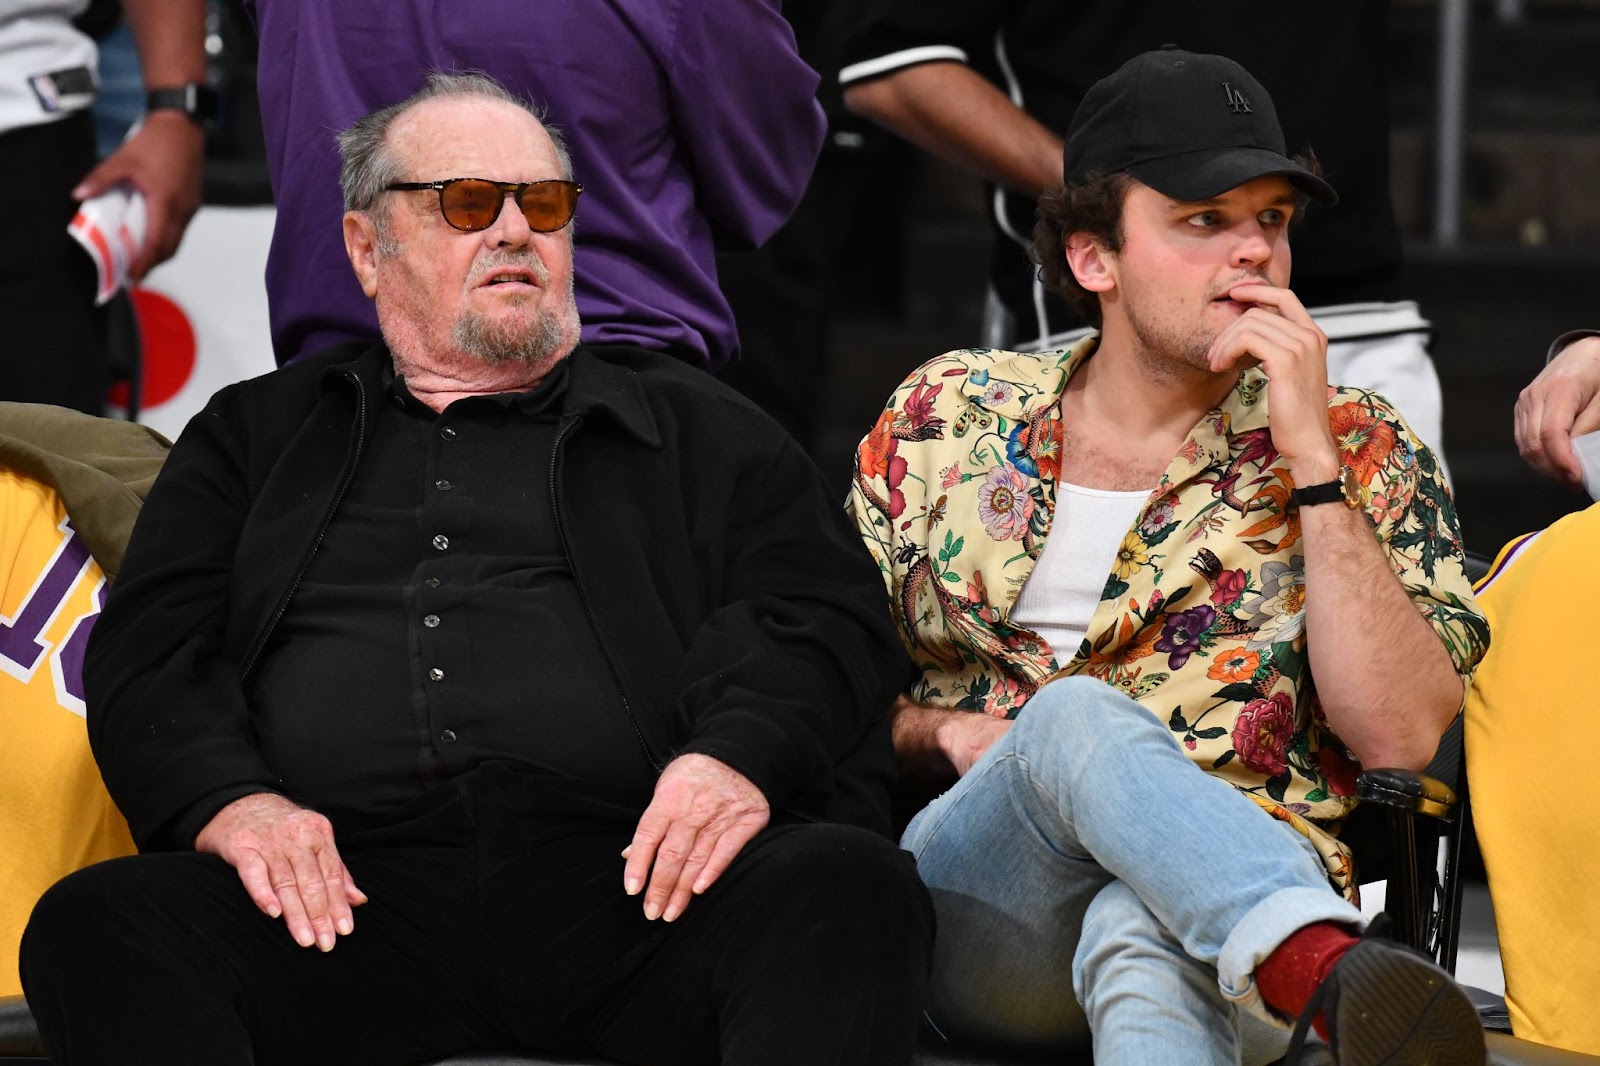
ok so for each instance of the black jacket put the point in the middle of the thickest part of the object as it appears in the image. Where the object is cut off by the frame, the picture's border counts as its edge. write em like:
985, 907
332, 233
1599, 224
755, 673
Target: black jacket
738, 611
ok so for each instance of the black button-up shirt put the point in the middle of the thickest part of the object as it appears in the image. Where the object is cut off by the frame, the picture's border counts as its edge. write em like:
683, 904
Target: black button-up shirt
438, 624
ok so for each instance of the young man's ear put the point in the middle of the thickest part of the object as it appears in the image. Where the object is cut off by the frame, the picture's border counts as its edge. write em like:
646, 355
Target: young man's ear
1091, 264
361, 245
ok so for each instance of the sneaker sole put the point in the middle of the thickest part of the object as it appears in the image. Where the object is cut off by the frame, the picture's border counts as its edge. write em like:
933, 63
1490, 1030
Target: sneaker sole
1395, 1009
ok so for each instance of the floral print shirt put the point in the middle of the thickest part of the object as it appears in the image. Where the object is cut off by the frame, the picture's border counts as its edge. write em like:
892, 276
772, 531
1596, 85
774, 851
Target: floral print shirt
1202, 619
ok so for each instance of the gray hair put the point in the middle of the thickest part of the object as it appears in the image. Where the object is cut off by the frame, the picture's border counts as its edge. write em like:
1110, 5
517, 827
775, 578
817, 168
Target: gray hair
367, 162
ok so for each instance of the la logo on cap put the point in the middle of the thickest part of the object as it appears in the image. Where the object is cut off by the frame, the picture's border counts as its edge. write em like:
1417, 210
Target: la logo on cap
1236, 101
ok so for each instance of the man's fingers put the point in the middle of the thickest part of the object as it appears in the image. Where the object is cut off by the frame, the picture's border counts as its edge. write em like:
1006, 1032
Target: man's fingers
252, 870
691, 873
727, 849
1553, 417
1245, 338
354, 895
1283, 301
1559, 459
315, 896
110, 171
673, 852
333, 875
641, 852
294, 911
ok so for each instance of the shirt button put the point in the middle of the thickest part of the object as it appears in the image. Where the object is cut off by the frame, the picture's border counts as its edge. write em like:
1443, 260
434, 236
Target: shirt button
398, 402
432, 582
436, 674
443, 485
448, 433
431, 621
441, 541
448, 736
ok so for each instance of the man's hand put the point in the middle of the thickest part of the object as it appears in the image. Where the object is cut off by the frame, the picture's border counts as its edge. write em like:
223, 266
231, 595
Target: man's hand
286, 858
964, 737
1281, 335
162, 161
703, 813
932, 742
1561, 403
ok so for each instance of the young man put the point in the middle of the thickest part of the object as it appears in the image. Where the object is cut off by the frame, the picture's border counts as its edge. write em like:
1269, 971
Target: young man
1211, 585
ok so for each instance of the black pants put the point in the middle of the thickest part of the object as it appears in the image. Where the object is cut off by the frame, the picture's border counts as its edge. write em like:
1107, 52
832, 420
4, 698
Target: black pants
53, 348
496, 921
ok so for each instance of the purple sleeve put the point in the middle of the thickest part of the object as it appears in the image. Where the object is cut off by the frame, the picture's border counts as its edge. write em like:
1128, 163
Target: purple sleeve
745, 106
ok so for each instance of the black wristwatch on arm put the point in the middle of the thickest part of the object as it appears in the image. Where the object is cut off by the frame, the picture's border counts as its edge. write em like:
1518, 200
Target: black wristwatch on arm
195, 100
1345, 487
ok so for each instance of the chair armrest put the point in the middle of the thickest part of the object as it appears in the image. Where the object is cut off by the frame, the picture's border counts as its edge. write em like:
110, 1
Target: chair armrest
18, 1034
1406, 790
1509, 1051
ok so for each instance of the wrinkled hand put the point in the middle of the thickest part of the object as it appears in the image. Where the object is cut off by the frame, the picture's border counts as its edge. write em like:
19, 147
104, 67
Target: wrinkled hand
1280, 334
162, 161
964, 737
286, 858
1561, 403
703, 813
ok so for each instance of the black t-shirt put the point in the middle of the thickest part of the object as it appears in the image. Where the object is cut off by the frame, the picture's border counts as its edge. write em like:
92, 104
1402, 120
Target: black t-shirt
438, 625
1323, 63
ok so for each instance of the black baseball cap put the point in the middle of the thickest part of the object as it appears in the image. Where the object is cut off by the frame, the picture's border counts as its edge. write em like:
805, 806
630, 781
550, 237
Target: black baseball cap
1190, 126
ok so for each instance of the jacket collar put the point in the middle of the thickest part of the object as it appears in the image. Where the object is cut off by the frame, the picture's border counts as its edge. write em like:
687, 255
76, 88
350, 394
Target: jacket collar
598, 384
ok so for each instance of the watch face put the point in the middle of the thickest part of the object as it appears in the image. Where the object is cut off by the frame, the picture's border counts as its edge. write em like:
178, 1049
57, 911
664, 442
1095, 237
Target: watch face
1350, 485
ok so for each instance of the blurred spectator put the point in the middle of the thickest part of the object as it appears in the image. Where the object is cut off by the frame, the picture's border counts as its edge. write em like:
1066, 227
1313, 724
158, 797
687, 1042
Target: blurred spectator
1529, 730
1563, 402
992, 85
120, 100
70, 488
782, 294
56, 337
693, 127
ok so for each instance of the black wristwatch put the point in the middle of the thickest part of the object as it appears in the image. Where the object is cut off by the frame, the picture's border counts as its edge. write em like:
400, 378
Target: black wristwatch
197, 101
1346, 487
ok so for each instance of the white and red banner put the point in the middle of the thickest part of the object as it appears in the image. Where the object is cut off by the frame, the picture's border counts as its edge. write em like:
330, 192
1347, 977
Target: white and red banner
203, 315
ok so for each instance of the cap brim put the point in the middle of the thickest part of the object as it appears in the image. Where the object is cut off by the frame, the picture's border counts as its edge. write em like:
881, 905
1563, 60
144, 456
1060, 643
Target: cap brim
1209, 172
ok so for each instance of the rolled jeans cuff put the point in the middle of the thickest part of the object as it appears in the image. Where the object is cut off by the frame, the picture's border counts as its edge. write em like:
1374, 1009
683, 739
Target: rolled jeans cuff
1265, 926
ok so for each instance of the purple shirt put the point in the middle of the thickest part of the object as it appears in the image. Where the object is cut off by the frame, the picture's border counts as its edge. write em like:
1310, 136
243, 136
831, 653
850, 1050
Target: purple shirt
693, 126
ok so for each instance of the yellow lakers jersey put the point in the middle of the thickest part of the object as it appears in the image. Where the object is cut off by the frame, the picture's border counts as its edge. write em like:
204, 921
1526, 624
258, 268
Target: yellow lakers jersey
55, 815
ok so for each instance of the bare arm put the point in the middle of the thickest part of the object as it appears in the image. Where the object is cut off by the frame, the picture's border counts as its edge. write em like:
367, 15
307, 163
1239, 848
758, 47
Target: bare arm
1387, 683
1388, 686
938, 743
162, 160
951, 111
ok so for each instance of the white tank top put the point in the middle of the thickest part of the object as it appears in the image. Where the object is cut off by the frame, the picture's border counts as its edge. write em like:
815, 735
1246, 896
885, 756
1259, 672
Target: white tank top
1059, 598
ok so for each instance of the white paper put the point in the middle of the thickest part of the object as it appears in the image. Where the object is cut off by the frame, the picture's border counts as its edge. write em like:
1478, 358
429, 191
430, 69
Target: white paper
111, 227
1587, 448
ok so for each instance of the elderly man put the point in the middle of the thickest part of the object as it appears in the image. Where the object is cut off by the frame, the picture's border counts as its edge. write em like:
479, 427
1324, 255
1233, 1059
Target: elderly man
432, 653
1209, 583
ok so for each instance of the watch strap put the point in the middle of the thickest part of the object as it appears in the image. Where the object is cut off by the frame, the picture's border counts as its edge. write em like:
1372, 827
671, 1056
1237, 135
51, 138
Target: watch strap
1327, 492
197, 101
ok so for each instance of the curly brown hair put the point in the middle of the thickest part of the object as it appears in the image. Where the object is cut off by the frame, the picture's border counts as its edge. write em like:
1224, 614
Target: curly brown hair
1093, 207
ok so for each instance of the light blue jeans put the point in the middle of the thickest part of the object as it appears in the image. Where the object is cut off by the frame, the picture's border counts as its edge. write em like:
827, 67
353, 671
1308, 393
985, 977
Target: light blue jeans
1091, 881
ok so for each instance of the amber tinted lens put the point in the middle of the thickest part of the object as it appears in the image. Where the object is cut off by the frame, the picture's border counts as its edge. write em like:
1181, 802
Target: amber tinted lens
470, 203
548, 205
